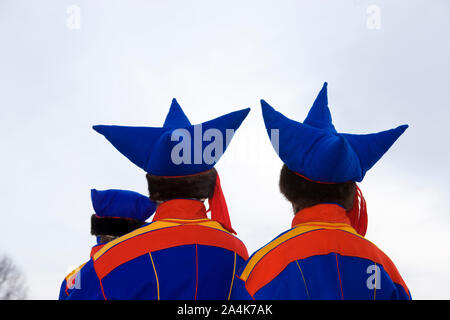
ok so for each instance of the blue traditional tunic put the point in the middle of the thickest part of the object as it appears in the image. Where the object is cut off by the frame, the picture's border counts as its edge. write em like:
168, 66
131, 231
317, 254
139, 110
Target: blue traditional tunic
180, 255
321, 257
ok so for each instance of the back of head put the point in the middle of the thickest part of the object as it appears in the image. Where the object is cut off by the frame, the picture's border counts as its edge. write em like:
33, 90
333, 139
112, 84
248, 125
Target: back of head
118, 212
304, 193
199, 186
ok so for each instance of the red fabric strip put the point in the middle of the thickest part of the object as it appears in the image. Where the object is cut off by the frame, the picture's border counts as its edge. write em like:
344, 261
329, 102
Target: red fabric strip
358, 213
96, 248
219, 208
166, 238
180, 209
324, 212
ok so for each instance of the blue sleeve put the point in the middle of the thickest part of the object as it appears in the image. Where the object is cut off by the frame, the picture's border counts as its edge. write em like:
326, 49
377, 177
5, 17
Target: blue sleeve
62, 291
87, 285
400, 293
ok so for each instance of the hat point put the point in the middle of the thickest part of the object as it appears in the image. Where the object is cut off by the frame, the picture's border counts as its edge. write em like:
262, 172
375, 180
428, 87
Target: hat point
316, 150
176, 118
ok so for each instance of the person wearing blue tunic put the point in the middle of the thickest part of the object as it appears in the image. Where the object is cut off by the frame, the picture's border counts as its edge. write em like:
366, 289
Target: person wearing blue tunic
117, 212
324, 255
183, 253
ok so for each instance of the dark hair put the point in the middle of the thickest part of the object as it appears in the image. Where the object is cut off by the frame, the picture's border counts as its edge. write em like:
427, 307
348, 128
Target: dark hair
198, 186
303, 193
113, 226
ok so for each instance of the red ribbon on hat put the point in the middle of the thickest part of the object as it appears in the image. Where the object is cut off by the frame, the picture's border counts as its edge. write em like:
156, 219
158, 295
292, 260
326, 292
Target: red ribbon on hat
358, 213
218, 207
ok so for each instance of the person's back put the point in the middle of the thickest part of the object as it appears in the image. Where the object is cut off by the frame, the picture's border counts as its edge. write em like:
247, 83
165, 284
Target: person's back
321, 257
324, 255
117, 212
182, 254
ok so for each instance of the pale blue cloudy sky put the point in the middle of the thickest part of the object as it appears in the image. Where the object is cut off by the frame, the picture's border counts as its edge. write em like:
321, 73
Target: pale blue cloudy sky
128, 60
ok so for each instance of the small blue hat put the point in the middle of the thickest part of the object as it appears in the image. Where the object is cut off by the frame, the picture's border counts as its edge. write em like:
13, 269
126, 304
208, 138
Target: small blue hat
315, 150
122, 204
197, 148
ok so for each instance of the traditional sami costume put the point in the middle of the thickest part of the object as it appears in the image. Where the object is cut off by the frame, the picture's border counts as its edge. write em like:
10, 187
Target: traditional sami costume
324, 255
117, 212
181, 254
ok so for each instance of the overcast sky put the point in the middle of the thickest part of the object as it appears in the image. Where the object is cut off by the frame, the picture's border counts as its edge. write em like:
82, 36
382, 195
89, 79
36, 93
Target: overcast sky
386, 64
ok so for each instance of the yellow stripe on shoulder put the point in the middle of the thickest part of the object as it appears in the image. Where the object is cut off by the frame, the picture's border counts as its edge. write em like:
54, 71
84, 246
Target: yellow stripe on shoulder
296, 231
213, 224
74, 272
151, 227
155, 226
200, 222
185, 220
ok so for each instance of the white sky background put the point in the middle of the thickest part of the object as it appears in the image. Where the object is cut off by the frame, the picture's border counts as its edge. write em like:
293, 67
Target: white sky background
130, 58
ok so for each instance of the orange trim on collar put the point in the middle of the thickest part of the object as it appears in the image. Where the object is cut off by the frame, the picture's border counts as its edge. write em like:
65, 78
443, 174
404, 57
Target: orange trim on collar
325, 212
96, 248
180, 209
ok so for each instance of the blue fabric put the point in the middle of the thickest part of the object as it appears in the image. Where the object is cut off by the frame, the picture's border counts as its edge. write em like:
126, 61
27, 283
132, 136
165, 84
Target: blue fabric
122, 204
151, 148
176, 269
239, 292
286, 286
317, 151
221, 273
320, 277
175, 117
62, 291
135, 278
180, 276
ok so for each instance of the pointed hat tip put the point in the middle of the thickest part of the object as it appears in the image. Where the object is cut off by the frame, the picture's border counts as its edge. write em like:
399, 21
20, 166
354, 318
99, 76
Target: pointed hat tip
324, 89
243, 112
266, 108
400, 129
264, 103
174, 102
246, 111
102, 129
97, 128
94, 194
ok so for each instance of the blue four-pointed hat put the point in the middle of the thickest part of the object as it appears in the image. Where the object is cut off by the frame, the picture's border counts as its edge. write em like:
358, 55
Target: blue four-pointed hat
122, 204
178, 148
315, 150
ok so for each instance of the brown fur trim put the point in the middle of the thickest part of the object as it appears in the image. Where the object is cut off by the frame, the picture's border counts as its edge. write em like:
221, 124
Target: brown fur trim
303, 193
109, 226
198, 186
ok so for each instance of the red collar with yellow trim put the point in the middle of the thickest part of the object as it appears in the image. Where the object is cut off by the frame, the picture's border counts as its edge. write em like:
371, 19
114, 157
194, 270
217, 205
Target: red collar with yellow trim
96, 248
329, 213
180, 209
